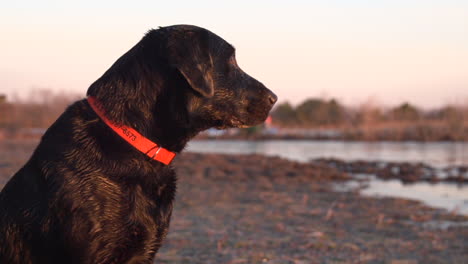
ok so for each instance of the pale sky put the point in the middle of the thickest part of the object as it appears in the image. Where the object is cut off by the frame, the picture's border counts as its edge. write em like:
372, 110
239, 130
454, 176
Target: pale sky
354, 50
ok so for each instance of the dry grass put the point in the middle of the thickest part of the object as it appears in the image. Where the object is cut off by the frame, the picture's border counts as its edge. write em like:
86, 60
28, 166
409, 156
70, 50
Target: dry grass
254, 209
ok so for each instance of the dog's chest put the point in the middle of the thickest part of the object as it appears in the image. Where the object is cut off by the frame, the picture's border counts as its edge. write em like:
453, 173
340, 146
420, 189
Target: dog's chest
150, 212
135, 221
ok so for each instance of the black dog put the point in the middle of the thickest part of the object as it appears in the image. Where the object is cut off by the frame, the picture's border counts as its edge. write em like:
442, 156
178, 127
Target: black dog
87, 195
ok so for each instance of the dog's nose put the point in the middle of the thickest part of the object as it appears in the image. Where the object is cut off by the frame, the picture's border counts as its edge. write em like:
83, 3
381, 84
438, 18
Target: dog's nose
272, 98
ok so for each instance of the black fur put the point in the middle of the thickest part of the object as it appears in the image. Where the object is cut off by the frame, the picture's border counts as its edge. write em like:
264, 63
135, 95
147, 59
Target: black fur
86, 195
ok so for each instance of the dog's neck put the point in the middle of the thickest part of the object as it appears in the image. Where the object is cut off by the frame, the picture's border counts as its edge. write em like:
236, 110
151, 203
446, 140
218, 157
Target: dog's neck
163, 123
134, 94
133, 137
137, 96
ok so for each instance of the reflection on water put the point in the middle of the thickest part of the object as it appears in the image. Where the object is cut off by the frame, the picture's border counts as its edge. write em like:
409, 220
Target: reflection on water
437, 154
449, 196
443, 195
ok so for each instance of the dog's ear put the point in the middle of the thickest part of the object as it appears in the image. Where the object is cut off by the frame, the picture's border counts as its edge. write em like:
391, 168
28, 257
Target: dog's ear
189, 53
197, 75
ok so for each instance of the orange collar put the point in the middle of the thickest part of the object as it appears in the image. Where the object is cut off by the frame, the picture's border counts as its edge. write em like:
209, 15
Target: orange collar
134, 138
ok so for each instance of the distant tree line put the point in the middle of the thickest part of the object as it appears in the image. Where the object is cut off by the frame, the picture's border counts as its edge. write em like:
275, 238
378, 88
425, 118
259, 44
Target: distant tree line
310, 113
39, 110
366, 122
316, 112
371, 122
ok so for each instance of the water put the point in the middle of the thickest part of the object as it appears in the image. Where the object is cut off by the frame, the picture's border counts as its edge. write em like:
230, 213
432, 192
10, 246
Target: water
437, 154
449, 196
442, 195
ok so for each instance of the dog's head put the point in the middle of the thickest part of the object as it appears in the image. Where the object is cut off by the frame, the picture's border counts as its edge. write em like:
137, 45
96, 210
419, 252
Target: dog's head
225, 96
197, 71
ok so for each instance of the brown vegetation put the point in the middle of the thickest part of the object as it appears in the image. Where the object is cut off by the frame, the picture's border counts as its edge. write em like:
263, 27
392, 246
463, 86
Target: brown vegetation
30, 117
370, 122
256, 209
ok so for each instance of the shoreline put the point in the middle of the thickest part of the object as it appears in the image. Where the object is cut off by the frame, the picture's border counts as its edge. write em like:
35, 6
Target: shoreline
257, 209
36, 134
406, 172
323, 138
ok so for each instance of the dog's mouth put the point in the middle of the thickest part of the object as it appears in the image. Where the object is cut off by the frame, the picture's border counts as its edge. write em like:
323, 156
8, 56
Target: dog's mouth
233, 122
252, 115
237, 122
